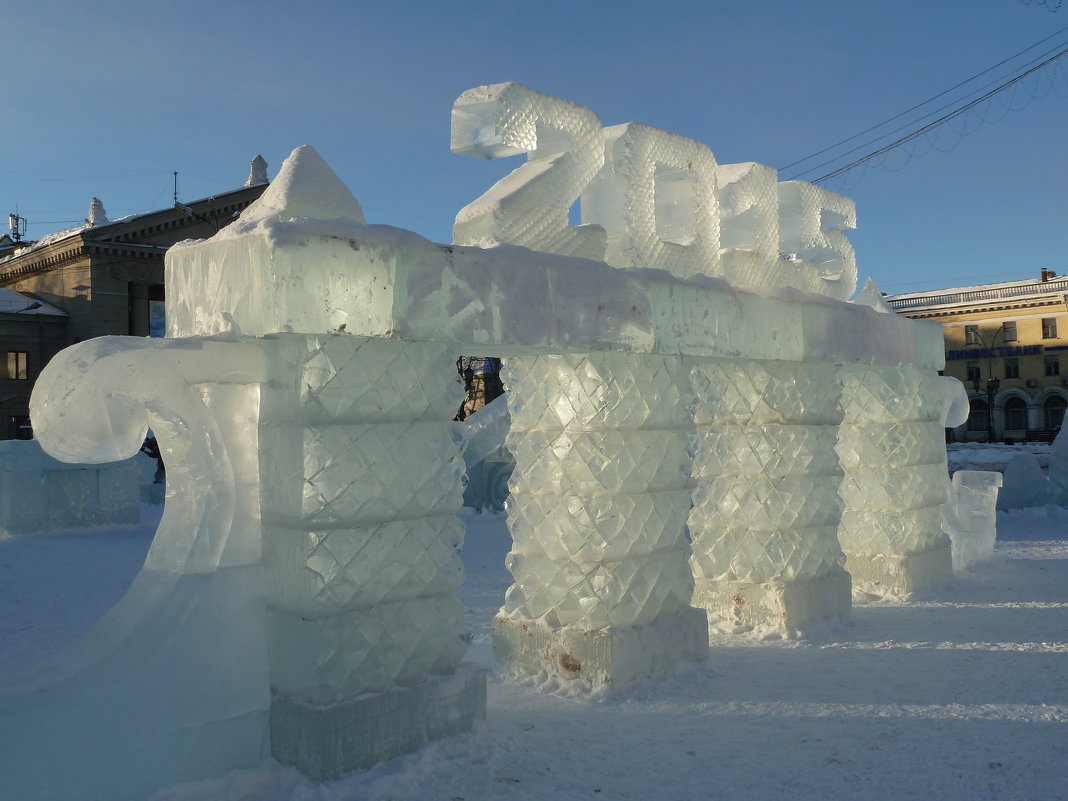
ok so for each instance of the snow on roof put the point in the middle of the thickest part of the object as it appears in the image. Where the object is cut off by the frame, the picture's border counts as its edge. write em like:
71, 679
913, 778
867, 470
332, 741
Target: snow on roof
976, 288
12, 302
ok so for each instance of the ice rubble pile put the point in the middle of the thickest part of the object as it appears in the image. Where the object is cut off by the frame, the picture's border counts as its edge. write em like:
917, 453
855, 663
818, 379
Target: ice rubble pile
302, 405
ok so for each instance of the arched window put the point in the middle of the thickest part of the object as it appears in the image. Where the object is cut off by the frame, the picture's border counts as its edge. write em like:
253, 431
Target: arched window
1016, 414
977, 415
1054, 411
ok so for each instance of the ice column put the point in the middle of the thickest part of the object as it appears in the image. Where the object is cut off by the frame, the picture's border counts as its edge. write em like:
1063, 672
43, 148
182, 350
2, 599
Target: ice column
970, 517
892, 447
597, 514
765, 506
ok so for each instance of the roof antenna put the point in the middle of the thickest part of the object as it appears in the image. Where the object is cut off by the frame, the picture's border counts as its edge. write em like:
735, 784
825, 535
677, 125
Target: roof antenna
17, 225
176, 187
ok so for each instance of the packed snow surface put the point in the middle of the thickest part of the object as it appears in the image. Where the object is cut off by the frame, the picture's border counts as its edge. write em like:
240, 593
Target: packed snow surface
959, 694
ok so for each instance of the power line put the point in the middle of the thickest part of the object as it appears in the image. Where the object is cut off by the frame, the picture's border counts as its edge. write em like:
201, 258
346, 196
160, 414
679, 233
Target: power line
924, 103
926, 116
940, 121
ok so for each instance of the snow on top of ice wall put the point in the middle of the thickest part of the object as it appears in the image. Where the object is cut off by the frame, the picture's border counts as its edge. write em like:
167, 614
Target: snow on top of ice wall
301, 259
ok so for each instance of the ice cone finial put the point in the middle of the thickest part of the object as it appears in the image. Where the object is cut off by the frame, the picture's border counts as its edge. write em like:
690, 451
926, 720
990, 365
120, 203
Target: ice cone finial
305, 187
871, 297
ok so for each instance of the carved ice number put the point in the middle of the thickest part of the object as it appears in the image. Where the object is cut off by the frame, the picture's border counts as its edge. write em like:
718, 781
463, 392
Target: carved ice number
811, 222
656, 197
650, 198
530, 205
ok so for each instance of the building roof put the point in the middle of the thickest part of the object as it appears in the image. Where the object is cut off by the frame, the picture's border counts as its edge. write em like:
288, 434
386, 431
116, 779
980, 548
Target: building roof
139, 236
980, 297
12, 302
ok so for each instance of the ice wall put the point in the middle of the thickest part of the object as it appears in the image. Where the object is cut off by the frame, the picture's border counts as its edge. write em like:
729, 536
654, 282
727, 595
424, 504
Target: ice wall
39, 493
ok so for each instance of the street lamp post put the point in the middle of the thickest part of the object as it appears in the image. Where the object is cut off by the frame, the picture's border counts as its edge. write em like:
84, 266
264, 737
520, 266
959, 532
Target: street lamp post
992, 387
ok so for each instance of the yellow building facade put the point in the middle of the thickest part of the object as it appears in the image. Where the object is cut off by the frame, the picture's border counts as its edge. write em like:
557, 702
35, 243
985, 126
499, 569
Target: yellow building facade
1008, 344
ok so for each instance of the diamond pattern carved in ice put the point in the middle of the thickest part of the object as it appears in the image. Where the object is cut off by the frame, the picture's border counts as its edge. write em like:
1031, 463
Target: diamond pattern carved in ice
896, 445
599, 463
595, 595
354, 568
366, 650
750, 392
606, 390
359, 474
739, 554
896, 488
890, 394
764, 502
582, 529
890, 531
361, 379
772, 450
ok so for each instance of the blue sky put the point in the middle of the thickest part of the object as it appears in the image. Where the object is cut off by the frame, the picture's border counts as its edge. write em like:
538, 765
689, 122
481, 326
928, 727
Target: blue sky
108, 98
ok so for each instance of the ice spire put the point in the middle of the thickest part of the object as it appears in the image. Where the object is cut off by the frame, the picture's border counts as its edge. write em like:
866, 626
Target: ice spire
871, 297
257, 174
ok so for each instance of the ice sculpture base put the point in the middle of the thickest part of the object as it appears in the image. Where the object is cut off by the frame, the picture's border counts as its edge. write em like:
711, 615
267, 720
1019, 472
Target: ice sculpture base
612, 655
780, 605
899, 575
325, 742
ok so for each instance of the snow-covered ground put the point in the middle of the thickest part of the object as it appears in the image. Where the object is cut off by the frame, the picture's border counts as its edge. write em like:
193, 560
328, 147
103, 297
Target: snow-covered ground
961, 694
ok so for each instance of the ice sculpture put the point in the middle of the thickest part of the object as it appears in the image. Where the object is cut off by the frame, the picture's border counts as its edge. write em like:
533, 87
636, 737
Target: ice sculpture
597, 513
971, 516
39, 493
1024, 483
656, 198
749, 223
1058, 471
765, 508
655, 195
811, 222
892, 448
529, 206
299, 597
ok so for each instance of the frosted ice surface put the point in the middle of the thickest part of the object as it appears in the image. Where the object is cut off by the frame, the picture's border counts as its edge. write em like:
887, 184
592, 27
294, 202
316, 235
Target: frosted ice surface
765, 505
39, 493
530, 206
811, 222
600, 492
749, 223
656, 198
971, 517
1025, 484
892, 448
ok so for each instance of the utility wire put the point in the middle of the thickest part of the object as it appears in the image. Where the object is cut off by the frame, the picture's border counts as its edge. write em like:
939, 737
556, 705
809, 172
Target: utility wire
940, 121
924, 103
919, 119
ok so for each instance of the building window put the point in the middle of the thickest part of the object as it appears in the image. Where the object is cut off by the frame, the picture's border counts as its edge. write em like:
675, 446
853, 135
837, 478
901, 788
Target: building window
1054, 412
973, 371
1053, 365
1049, 328
971, 335
1016, 414
17, 362
977, 416
1012, 368
1008, 331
